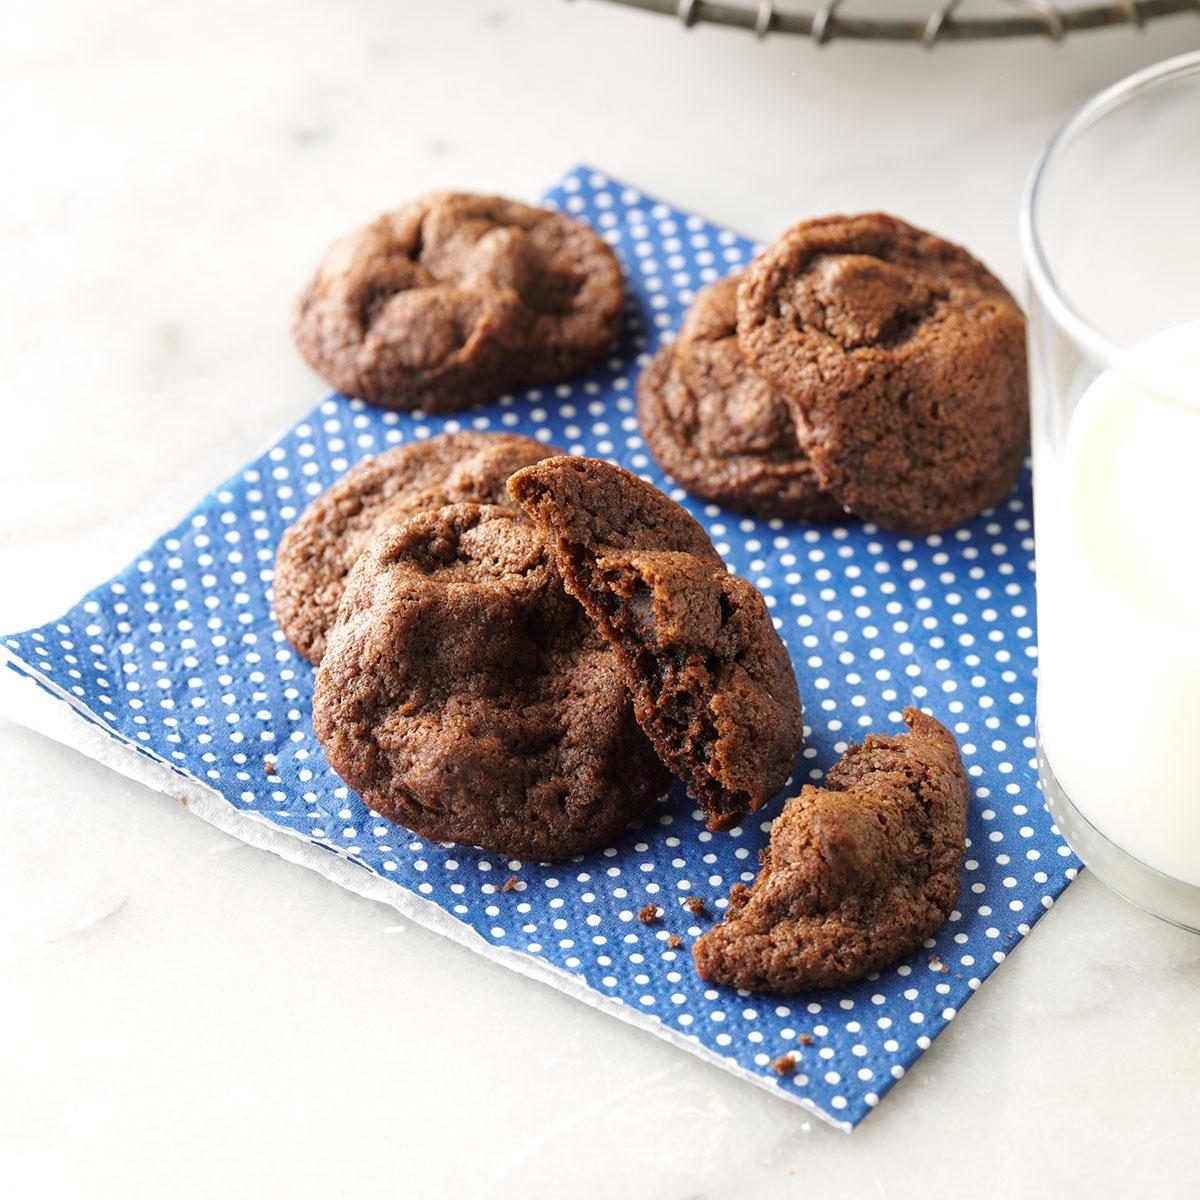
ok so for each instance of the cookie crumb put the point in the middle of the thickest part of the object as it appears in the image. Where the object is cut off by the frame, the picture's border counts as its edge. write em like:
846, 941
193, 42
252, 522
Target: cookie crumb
785, 1064
269, 766
936, 964
648, 915
510, 884
805, 1039
695, 905
674, 941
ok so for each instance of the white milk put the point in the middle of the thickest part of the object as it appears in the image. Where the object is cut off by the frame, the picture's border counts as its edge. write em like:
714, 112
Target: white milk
1118, 563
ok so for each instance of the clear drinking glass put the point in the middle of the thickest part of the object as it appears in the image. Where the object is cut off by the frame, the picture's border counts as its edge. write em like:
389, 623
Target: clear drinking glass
1110, 228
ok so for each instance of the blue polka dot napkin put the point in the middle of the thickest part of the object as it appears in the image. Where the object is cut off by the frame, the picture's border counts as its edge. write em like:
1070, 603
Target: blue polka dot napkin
175, 672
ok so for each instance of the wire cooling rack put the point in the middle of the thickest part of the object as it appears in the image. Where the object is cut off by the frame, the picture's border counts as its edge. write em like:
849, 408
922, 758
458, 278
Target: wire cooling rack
843, 18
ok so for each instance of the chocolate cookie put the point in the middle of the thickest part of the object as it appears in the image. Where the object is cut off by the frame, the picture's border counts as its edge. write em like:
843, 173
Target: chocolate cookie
454, 299
904, 359
466, 696
711, 681
858, 873
719, 428
317, 552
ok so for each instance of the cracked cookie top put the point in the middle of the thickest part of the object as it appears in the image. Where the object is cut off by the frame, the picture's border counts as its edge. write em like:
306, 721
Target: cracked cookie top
719, 428
466, 696
456, 298
903, 359
317, 551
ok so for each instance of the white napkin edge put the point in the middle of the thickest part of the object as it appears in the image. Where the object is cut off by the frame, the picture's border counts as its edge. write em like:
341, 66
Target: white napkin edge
60, 718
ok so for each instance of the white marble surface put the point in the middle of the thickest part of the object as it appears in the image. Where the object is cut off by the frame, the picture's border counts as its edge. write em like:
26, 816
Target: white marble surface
185, 1016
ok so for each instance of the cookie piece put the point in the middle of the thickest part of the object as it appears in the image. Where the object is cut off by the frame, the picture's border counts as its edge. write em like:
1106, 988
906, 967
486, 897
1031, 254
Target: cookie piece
712, 683
858, 873
904, 359
719, 428
316, 553
466, 696
454, 299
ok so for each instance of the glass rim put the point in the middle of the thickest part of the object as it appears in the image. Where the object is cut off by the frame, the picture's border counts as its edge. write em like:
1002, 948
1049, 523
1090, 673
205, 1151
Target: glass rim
1037, 265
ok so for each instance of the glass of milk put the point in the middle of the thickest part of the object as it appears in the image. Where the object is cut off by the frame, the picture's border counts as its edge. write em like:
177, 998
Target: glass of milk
1111, 238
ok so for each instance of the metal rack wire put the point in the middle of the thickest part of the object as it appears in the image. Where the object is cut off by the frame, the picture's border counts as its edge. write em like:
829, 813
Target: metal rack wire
828, 22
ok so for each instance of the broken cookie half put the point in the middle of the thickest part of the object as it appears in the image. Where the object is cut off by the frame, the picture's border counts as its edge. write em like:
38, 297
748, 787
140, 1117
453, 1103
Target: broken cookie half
712, 683
858, 872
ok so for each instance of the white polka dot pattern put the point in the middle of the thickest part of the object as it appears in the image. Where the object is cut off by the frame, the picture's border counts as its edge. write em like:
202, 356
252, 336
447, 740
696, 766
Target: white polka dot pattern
179, 657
